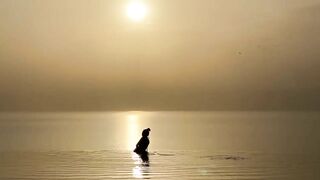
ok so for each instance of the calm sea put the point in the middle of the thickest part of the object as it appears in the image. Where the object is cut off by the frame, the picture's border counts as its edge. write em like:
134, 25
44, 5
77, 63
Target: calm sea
184, 145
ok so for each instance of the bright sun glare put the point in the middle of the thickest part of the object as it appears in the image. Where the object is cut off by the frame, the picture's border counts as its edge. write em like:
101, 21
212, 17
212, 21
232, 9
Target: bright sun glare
132, 130
136, 11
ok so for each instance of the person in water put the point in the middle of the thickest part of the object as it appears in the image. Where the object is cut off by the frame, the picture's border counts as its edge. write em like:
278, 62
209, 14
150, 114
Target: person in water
142, 145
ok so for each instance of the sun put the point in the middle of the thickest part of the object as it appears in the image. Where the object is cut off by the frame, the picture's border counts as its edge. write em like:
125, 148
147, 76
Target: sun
137, 11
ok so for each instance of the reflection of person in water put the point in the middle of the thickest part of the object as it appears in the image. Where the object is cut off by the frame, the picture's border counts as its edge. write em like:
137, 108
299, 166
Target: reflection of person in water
142, 145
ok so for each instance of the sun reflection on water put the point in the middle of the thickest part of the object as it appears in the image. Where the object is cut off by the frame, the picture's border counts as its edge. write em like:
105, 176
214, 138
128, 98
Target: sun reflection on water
141, 169
137, 173
132, 129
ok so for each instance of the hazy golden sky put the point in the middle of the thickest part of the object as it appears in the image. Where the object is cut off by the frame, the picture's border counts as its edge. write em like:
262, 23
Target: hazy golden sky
186, 54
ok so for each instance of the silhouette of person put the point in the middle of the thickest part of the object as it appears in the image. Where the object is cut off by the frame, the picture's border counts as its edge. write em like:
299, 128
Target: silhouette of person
142, 145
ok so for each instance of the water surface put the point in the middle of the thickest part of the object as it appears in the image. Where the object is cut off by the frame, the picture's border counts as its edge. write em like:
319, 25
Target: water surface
184, 145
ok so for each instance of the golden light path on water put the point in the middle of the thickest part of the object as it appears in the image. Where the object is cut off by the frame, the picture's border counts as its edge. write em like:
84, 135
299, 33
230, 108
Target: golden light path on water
133, 136
133, 130
140, 170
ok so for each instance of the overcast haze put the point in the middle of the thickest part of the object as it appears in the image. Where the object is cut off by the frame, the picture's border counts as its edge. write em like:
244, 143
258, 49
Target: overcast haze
186, 55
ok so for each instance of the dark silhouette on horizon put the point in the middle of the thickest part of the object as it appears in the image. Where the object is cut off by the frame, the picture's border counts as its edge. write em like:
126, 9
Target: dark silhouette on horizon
142, 146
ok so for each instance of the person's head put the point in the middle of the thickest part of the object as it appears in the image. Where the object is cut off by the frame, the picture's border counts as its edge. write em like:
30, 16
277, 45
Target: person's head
145, 132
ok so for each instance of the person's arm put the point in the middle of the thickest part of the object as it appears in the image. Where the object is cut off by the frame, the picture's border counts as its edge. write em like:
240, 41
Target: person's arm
139, 143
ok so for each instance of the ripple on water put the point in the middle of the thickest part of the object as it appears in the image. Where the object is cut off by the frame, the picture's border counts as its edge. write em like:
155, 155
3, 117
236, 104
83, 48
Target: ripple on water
162, 165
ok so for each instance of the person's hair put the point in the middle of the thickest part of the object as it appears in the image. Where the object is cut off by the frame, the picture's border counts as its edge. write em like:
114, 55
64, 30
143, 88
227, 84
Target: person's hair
145, 132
